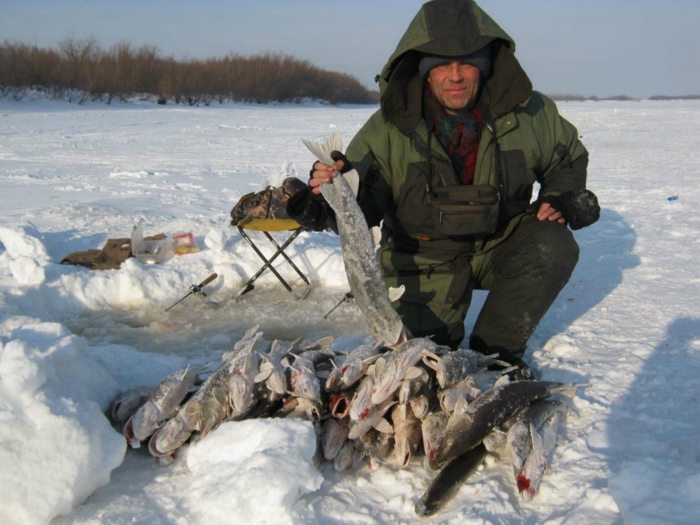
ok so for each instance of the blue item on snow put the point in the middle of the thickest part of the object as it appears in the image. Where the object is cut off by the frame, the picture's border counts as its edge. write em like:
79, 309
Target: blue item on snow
673, 198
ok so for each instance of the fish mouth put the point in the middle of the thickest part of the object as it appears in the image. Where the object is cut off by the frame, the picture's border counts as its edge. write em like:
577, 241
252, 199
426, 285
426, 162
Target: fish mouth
339, 406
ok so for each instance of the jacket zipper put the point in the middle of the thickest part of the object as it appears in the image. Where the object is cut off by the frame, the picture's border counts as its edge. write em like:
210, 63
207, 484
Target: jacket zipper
497, 158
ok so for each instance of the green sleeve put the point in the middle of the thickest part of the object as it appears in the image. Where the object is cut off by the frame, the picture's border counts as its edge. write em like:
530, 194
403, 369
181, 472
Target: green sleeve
563, 158
369, 153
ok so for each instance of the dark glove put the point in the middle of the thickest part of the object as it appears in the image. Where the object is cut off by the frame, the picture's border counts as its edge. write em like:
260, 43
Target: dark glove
336, 156
579, 208
347, 165
308, 210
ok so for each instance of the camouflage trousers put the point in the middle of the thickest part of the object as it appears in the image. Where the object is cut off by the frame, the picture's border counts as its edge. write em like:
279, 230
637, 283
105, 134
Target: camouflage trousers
523, 276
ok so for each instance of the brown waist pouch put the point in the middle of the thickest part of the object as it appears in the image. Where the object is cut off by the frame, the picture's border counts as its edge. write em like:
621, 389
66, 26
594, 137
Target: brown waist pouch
465, 210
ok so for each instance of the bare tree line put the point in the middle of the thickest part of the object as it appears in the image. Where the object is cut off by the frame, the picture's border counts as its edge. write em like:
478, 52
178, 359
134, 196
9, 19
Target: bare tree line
79, 69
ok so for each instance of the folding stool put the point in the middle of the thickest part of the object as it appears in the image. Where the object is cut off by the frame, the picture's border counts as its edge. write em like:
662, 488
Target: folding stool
265, 226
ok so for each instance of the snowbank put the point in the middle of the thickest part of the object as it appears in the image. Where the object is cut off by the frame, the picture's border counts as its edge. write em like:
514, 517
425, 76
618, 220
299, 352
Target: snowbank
56, 446
252, 472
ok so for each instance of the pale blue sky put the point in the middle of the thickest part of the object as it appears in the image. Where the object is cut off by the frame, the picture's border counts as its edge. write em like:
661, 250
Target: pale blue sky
588, 47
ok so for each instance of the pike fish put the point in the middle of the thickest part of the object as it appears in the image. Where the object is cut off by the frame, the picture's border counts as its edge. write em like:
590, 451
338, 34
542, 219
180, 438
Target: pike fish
489, 410
519, 437
272, 371
375, 419
350, 455
543, 442
393, 367
211, 405
447, 483
465, 389
378, 446
455, 366
128, 402
242, 370
433, 430
304, 382
361, 264
408, 436
357, 362
415, 387
361, 402
162, 404
334, 433
177, 430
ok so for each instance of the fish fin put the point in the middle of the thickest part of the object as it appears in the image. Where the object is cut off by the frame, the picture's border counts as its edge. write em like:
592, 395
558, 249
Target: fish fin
568, 389
296, 343
396, 293
285, 363
501, 381
370, 360
379, 365
412, 372
320, 151
262, 376
384, 426
461, 406
371, 369
353, 180
322, 344
431, 360
376, 235
251, 332
536, 439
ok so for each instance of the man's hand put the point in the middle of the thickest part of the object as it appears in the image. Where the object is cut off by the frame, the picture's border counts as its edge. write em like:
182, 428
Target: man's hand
547, 213
323, 173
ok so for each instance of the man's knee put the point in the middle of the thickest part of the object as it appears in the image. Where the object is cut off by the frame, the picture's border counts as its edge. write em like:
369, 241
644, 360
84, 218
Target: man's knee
545, 247
558, 245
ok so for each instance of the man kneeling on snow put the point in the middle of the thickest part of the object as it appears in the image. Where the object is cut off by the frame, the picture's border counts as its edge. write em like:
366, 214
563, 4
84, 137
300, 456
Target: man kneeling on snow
447, 166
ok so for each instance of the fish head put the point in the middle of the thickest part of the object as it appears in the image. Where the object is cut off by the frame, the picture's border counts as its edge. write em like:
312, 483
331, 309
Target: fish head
351, 372
169, 437
448, 399
240, 392
433, 431
312, 408
384, 387
386, 328
334, 382
277, 382
145, 421
128, 402
307, 386
339, 405
361, 403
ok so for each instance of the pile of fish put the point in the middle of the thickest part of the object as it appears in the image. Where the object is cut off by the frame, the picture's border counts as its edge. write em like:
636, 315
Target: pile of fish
384, 403
375, 404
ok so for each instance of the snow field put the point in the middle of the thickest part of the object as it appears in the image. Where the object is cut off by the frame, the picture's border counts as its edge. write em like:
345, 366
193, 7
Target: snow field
626, 325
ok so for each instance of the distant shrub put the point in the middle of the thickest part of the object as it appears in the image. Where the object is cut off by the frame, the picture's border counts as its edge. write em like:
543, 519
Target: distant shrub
80, 69
682, 97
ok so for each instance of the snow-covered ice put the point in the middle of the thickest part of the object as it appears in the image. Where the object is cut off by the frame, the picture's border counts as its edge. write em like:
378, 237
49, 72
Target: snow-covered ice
626, 325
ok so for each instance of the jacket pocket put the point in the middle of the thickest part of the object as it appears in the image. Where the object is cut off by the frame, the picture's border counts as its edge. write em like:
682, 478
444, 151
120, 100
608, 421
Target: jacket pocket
465, 210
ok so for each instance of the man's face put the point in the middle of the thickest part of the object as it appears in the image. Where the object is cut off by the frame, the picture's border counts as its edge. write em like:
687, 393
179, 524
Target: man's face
455, 85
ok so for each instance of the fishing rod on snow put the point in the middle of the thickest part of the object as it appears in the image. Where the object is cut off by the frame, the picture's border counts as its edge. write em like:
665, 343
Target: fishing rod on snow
346, 297
196, 289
